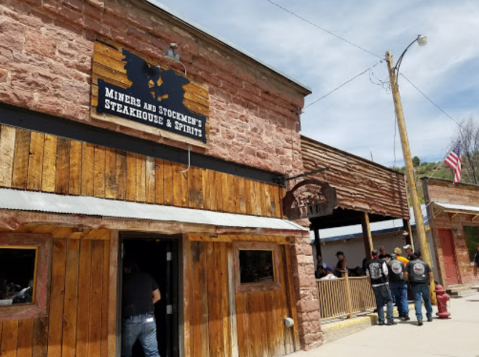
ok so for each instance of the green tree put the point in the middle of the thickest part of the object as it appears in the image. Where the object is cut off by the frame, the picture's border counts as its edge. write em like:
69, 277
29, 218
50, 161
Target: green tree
416, 161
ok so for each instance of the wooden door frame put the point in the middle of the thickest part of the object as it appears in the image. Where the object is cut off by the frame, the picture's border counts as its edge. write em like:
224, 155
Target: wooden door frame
458, 273
120, 236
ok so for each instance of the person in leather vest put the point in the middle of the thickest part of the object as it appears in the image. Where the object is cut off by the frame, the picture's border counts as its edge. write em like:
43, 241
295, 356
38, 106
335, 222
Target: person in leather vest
377, 272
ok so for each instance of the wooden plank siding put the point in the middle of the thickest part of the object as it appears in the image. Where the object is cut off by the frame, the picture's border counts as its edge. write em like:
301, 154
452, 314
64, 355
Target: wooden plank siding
258, 327
57, 165
361, 185
78, 319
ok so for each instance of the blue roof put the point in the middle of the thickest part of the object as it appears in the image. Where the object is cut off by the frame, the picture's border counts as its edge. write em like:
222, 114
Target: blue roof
356, 231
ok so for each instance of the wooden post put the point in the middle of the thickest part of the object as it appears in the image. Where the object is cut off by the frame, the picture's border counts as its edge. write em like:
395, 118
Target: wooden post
348, 294
414, 196
407, 228
367, 237
317, 242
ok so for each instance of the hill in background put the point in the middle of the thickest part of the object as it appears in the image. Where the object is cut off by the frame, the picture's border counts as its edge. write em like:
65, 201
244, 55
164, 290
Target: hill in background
426, 169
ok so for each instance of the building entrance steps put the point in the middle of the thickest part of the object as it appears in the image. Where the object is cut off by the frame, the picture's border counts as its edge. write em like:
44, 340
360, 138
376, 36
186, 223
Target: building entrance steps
339, 328
461, 291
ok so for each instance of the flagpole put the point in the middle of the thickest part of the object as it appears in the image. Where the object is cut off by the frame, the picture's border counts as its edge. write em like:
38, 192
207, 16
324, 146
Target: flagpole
416, 204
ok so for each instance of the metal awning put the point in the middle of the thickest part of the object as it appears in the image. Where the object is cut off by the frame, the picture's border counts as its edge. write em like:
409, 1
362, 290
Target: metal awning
455, 207
100, 207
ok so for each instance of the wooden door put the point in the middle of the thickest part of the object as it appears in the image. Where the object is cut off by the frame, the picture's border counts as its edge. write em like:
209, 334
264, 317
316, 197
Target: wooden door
260, 314
449, 256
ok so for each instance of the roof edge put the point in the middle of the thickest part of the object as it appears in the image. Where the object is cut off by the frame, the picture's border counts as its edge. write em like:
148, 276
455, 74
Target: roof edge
229, 44
353, 155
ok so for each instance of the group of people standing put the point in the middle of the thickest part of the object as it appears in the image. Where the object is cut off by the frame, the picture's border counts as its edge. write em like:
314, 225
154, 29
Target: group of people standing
390, 274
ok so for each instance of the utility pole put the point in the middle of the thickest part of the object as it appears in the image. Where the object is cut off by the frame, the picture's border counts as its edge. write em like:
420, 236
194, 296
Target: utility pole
416, 204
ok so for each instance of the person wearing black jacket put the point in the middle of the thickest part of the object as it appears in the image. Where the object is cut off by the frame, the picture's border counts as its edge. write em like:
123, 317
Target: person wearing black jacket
419, 274
398, 285
140, 293
377, 272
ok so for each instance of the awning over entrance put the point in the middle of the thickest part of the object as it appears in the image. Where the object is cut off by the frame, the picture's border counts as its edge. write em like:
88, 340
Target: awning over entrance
91, 206
453, 209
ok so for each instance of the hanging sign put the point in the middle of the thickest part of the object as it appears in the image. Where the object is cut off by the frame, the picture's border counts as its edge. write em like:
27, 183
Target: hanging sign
309, 199
155, 97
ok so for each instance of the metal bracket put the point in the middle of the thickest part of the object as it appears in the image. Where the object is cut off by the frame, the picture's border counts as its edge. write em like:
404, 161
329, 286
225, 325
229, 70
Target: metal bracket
169, 257
282, 179
169, 309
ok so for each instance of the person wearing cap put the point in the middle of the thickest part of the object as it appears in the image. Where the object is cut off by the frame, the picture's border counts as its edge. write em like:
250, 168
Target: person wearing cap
377, 272
398, 253
419, 274
408, 249
330, 273
398, 285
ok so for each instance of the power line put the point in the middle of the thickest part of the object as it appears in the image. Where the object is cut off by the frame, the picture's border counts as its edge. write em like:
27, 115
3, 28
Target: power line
342, 85
429, 99
323, 29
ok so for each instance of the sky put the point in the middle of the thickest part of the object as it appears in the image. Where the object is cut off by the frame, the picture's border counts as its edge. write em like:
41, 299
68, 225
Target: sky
359, 117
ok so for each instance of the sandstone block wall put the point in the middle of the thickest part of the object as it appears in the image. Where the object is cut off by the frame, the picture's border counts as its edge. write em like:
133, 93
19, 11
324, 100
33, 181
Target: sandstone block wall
462, 194
46, 51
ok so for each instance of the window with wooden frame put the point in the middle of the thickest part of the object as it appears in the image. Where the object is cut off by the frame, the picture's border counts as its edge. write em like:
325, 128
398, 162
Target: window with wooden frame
25, 261
256, 266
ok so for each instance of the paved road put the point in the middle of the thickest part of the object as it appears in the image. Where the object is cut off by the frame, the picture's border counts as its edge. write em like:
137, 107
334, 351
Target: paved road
456, 337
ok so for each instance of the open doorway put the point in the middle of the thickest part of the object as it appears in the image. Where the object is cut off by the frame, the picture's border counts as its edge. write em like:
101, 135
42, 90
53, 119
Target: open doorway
158, 256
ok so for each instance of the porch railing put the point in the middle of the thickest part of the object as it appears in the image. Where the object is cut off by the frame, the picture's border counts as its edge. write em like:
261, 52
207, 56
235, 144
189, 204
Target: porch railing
345, 296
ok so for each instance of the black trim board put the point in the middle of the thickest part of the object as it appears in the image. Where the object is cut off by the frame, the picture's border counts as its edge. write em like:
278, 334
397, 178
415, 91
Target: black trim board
48, 124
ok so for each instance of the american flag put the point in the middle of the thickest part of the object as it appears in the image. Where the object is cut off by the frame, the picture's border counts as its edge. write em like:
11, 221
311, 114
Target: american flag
454, 161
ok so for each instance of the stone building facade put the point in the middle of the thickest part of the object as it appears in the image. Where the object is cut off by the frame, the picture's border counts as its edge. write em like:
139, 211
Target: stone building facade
47, 66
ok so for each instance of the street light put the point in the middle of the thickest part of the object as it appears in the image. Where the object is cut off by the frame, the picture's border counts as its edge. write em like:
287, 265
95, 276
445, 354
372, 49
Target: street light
416, 205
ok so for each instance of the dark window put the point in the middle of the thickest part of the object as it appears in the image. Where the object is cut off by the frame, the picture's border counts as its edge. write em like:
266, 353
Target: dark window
256, 266
17, 275
472, 240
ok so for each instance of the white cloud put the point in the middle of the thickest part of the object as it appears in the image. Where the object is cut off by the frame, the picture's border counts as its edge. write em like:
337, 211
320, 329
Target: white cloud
359, 117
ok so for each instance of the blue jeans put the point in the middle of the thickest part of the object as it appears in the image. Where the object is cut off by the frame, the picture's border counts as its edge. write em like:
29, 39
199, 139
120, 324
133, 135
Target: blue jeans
421, 292
399, 291
143, 328
383, 297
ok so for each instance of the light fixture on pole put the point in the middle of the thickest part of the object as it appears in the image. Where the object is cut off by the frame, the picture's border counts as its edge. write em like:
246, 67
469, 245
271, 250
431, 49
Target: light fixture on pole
416, 204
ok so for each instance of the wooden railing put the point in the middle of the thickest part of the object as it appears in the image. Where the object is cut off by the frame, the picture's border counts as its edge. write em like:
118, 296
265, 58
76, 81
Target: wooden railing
345, 297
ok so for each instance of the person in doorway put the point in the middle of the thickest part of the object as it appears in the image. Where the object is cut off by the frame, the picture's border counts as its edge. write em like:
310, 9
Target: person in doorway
383, 255
398, 253
419, 274
476, 261
377, 272
140, 293
398, 285
330, 273
408, 249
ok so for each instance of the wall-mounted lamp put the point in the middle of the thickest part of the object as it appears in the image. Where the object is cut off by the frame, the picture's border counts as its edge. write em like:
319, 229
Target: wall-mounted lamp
172, 55
170, 52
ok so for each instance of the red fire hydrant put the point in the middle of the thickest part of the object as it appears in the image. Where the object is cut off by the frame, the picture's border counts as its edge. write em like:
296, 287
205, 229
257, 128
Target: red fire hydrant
442, 299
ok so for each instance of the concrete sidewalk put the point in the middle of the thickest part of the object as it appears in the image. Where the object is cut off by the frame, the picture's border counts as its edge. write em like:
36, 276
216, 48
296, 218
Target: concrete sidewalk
456, 337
